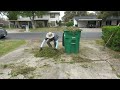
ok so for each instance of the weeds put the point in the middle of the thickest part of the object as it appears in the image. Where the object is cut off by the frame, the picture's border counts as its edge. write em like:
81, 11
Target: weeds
77, 58
100, 42
118, 75
116, 56
21, 70
84, 66
7, 66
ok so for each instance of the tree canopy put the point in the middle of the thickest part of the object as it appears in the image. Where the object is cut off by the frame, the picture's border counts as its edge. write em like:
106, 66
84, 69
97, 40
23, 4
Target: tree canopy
105, 14
32, 14
12, 15
70, 14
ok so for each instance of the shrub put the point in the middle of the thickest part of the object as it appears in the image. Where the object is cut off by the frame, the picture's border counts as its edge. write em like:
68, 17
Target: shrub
114, 42
68, 24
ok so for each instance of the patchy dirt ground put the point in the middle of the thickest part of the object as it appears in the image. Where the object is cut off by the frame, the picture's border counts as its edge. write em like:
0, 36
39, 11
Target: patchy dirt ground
91, 63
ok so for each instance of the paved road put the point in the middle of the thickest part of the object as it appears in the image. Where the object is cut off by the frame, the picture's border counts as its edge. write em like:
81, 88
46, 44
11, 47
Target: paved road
41, 35
87, 33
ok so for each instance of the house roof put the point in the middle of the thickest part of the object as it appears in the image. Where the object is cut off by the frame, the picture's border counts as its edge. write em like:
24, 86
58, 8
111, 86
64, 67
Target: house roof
57, 12
27, 19
84, 18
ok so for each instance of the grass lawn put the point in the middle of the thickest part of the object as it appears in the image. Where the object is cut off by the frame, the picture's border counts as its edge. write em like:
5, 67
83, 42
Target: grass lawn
44, 29
47, 29
9, 45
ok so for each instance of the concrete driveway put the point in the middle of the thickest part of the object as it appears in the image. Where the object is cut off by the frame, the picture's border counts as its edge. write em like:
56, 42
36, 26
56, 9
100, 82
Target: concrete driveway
61, 68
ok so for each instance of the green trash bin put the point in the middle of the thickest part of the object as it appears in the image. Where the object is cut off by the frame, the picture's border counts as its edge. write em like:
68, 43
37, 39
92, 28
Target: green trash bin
71, 41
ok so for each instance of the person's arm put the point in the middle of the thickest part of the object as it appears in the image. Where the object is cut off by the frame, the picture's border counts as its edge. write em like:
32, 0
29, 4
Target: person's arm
42, 43
56, 44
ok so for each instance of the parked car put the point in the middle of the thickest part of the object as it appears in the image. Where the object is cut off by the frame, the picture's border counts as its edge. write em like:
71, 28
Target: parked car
3, 32
91, 26
23, 26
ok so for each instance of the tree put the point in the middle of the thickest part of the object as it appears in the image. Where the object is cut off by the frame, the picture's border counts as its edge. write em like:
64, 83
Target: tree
105, 14
58, 23
12, 15
70, 14
32, 14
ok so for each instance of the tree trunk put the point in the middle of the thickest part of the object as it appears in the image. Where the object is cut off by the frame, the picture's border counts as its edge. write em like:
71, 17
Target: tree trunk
9, 25
32, 20
33, 24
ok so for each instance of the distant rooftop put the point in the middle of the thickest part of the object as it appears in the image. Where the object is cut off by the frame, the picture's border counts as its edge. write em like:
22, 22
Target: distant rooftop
54, 12
86, 18
113, 18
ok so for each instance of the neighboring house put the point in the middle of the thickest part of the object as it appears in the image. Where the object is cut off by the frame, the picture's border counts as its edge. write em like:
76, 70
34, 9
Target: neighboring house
3, 22
41, 21
111, 21
93, 21
87, 21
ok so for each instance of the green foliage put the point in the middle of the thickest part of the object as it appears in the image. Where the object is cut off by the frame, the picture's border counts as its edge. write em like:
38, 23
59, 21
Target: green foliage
117, 56
9, 45
105, 14
58, 23
32, 14
100, 42
68, 24
13, 15
114, 42
70, 14
73, 29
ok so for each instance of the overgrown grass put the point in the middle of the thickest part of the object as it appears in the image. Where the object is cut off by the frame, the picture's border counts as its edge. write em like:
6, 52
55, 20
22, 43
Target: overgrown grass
48, 52
84, 66
116, 56
9, 45
100, 42
7, 66
77, 58
47, 29
118, 75
22, 70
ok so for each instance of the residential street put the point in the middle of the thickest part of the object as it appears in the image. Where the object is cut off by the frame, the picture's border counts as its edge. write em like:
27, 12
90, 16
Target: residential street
87, 33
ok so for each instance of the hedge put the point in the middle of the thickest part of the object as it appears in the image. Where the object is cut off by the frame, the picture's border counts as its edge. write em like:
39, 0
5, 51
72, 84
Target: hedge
68, 24
114, 42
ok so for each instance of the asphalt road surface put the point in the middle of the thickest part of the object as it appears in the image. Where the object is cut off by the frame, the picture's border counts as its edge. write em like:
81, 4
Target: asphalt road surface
41, 35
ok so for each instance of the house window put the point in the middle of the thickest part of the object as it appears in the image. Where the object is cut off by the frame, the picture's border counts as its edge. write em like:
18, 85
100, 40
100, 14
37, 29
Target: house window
52, 15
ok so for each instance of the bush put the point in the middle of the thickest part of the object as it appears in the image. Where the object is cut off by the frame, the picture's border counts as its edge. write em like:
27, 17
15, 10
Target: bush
114, 42
68, 24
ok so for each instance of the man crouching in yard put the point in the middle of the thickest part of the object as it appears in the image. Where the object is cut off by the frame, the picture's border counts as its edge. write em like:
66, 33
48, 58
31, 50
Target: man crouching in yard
50, 37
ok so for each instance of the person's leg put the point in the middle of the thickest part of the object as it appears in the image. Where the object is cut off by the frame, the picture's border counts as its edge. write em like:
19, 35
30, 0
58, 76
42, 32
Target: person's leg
48, 42
54, 44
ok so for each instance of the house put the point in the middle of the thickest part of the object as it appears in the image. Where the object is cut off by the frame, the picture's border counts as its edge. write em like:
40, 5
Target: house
111, 21
93, 21
86, 21
40, 21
